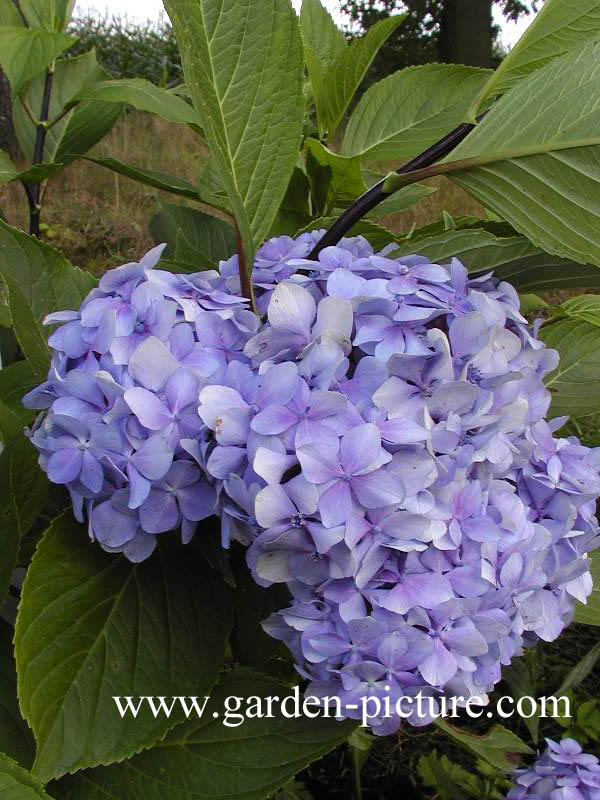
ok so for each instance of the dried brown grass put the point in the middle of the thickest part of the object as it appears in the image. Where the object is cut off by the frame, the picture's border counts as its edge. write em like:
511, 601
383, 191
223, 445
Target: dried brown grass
100, 219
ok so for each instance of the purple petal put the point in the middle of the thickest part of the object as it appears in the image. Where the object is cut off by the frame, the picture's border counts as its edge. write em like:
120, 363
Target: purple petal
151, 364
159, 512
360, 449
440, 666
151, 412
335, 504
425, 590
64, 466
292, 309
320, 461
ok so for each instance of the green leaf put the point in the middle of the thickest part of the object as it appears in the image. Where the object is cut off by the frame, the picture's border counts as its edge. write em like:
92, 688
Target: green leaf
15, 381
34, 174
79, 129
513, 258
499, 746
575, 383
295, 209
335, 83
400, 116
8, 171
39, 280
18, 784
542, 174
560, 26
520, 681
580, 671
243, 62
320, 33
377, 235
589, 614
585, 306
16, 740
531, 303
25, 52
191, 236
150, 177
439, 774
91, 626
399, 201
144, 96
253, 604
54, 15
208, 759
334, 180
9, 14
24, 493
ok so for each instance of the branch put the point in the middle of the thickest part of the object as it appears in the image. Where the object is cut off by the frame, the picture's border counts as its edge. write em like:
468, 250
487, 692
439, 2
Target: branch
376, 194
38, 155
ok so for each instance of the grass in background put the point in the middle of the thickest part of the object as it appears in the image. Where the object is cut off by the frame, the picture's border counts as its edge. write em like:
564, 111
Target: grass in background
100, 219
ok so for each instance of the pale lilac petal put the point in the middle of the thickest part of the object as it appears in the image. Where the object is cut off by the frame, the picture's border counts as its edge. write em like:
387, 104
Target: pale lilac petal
64, 466
320, 461
151, 412
197, 501
378, 489
335, 504
151, 364
440, 666
360, 449
273, 505
426, 590
273, 420
292, 309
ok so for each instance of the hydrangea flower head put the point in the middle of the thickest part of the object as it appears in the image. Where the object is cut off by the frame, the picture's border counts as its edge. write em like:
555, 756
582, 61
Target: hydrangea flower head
563, 772
378, 440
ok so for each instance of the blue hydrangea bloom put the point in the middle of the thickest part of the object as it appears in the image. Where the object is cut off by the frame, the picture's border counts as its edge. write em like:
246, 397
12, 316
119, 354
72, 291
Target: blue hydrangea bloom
379, 441
563, 772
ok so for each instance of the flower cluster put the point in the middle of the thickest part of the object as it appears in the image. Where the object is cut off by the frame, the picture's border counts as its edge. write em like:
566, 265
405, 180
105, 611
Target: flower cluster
563, 772
379, 442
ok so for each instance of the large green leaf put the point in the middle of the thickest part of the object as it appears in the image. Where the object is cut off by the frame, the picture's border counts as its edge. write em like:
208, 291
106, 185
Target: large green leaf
9, 14
589, 614
399, 201
320, 33
584, 306
206, 758
580, 671
193, 237
54, 15
535, 158
72, 133
575, 383
25, 52
243, 62
295, 209
24, 493
16, 740
18, 784
144, 96
518, 677
499, 747
561, 25
335, 83
403, 114
334, 180
513, 258
92, 626
253, 604
39, 280
15, 381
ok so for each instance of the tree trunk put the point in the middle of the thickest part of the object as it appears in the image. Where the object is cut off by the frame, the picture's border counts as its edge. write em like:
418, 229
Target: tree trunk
8, 140
466, 32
